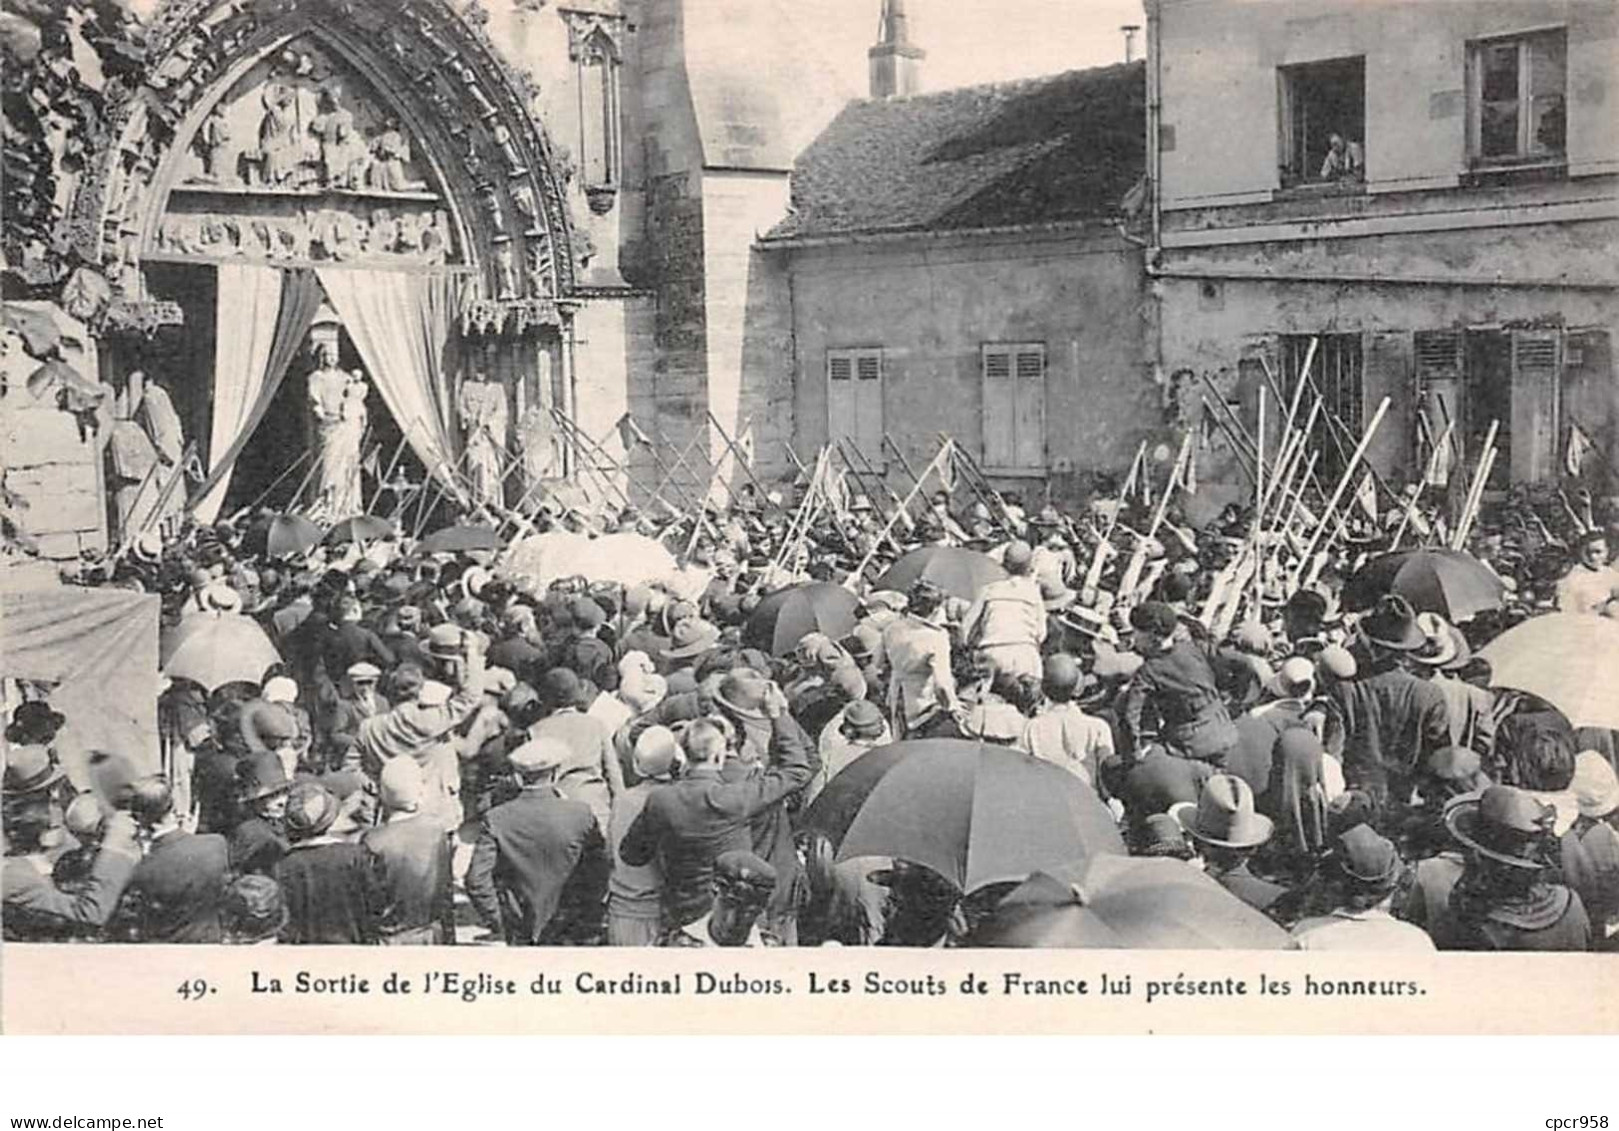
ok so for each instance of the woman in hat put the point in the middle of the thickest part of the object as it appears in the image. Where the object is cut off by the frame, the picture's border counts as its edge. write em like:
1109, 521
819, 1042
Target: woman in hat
1505, 898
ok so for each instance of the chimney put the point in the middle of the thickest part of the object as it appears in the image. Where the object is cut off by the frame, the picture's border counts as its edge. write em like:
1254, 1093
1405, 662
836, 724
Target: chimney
895, 64
1129, 31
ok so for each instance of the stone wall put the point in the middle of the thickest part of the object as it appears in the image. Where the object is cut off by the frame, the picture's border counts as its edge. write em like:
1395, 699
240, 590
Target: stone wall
931, 303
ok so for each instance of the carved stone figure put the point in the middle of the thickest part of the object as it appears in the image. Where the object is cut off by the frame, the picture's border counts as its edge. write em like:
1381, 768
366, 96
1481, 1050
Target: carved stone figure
505, 271
493, 209
212, 145
344, 153
469, 79
523, 199
338, 412
541, 278
483, 418
280, 148
435, 240
508, 149
390, 152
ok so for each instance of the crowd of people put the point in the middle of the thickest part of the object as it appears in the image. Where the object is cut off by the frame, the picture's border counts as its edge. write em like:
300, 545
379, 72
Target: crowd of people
450, 752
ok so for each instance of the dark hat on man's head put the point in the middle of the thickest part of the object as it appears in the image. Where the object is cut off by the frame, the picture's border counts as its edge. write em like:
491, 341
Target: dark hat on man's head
862, 720
1392, 624
260, 775
1366, 859
561, 687
742, 691
1505, 824
1154, 617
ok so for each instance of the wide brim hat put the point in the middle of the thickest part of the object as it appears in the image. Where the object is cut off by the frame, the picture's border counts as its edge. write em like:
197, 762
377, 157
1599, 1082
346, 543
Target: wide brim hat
743, 693
703, 639
30, 769
1393, 625
311, 810
1367, 859
1445, 644
1490, 823
1224, 816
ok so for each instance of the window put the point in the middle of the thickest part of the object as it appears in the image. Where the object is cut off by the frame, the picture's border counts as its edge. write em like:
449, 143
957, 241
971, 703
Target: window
854, 400
1014, 380
1336, 375
1323, 123
1516, 91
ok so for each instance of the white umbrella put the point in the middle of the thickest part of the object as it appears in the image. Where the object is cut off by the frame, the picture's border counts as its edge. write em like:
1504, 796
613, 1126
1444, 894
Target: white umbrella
1568, 659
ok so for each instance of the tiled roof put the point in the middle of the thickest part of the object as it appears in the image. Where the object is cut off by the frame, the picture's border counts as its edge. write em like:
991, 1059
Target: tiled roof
1064, 147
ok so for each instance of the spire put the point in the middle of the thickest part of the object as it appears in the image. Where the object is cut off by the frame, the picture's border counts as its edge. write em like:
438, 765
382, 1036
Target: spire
895, 63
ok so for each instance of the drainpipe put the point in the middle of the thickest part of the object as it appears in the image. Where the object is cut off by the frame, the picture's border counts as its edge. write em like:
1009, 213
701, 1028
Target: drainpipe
1152, 251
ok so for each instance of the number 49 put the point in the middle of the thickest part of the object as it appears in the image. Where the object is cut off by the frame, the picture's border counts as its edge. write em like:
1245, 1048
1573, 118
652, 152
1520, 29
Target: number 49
194, 989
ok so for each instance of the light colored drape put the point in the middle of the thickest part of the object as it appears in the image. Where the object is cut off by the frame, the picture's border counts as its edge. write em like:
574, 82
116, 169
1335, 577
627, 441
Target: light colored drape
400, 324
249, 300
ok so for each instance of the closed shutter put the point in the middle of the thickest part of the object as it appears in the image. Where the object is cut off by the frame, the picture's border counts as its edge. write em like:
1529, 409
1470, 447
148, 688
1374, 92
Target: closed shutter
1015, 406
1534, 404
1000, 408
1443, 401
1030, 424
869, 404
854, 399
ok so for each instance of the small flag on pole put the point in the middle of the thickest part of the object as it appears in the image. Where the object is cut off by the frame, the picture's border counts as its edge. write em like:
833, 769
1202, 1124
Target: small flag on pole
1579, 446
371, 464
1366, 496
744, 444
630, 434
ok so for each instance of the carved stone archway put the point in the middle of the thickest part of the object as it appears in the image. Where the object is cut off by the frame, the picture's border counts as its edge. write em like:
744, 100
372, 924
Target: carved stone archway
481, 172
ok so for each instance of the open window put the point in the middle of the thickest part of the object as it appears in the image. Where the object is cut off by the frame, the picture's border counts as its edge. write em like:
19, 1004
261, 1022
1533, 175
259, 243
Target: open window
1517, 99
1323, 123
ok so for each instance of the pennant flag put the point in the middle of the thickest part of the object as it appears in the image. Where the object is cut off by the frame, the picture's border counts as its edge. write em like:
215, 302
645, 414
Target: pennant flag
744, 443
1366, 496
371, 464
630, 434
194, 470
1579, 447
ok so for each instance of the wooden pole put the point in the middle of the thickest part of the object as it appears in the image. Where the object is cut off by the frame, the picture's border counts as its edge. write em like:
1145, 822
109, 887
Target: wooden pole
1476, 487
945, 451
1465, 527
747, 468
1343, 483
1427, 474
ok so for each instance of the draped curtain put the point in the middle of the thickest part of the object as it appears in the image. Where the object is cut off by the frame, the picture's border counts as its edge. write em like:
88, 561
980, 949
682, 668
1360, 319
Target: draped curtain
264, 313
401, 325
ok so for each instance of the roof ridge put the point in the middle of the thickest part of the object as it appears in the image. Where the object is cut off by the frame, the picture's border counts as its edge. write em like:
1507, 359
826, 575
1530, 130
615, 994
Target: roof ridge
996, 85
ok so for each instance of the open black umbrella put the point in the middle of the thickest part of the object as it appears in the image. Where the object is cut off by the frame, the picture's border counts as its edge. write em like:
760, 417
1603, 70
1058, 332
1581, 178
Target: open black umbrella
1454, 584
786, 616
1127, 902
291, 534
974, 813
455, 539
960, 573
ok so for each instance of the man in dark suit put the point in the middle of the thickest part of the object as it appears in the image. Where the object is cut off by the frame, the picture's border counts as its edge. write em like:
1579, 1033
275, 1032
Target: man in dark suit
410, 864
688, 824
539, 871
177, 891
325, 879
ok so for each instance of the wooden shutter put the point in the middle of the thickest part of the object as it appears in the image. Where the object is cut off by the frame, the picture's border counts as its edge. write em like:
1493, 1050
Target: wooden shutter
868, 385
1029, 367
1535, 364
1000, 407
1442, 394
841, 411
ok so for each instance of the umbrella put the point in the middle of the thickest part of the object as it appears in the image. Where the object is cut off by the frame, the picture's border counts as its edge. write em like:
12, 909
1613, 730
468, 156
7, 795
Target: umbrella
1127, 902
976, 814
627, 558
960, 573
289, 535
1567, 659
360, 528
1451, 583
455, 539
222, 648
786, 616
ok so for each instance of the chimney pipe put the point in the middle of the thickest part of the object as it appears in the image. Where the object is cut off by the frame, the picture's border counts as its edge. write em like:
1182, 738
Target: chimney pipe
1129, 31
